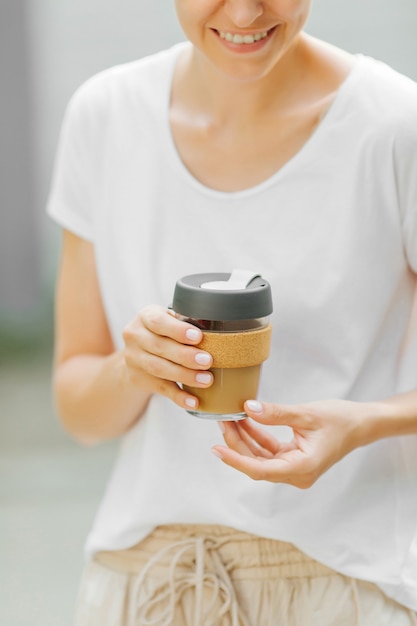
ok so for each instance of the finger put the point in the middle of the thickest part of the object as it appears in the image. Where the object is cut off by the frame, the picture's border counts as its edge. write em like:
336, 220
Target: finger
138, 338
263, 438
277, 414
180, 397
253, 443
233, 438
289, 469
164, 369
272, 470
158, 320
167, 348
258, 441
168, 389
291, 466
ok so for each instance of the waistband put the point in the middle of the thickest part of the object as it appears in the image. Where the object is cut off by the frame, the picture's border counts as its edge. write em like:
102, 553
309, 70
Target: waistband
243, 555
205, 559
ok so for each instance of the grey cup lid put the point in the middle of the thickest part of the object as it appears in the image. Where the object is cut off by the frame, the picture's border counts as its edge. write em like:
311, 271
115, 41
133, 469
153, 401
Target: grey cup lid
237, 295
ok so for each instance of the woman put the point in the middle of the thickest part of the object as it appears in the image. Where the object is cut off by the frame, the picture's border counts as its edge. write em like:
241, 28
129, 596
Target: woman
250, 145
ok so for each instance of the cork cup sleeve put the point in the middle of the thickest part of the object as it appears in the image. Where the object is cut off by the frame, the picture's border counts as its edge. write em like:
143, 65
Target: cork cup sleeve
241, 349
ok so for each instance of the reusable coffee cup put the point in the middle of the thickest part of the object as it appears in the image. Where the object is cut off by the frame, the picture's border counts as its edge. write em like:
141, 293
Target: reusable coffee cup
232, 310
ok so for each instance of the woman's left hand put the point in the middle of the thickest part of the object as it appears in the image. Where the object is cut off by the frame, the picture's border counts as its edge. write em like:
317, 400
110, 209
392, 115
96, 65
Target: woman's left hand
323, 433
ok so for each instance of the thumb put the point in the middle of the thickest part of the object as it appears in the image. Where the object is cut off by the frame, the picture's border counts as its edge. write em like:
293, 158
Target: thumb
275, 414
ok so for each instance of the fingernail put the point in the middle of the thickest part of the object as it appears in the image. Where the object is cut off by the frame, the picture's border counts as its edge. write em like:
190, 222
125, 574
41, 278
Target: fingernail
193, 334
202, 358
203, 378
216, 453
254, 406
191, 402
221, 426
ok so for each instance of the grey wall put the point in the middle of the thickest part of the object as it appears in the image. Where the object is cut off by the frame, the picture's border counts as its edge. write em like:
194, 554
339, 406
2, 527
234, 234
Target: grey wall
69, 40
19, 232
385, 29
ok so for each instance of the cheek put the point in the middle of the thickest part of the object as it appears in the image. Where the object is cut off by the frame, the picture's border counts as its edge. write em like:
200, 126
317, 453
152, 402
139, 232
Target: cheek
194, 17
188, 14
294, 10
297, 16
196, 11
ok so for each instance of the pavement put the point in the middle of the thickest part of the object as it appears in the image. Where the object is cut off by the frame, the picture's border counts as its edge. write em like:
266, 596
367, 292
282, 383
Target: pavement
49, 490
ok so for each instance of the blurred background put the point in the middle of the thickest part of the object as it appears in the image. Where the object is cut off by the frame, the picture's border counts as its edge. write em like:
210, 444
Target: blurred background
49, 486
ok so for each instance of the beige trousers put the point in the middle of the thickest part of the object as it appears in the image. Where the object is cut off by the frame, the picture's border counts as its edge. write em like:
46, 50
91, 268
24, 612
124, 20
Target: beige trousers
186, 575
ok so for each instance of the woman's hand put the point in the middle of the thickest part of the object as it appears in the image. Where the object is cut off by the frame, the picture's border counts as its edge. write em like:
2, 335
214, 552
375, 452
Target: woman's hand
160, 352
323, 433
101, 392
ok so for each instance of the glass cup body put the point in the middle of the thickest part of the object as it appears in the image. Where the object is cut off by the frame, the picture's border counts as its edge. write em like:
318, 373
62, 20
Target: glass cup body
228, 342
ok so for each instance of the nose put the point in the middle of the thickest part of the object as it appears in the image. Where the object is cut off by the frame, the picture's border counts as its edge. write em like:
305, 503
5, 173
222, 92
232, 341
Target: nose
243, 12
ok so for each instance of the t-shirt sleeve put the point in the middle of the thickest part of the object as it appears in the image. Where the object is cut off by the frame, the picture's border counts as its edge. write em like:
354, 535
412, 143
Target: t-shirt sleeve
406, 175
71, 198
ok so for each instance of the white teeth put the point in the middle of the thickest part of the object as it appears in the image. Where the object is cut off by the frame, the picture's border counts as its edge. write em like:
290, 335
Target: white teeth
242, 39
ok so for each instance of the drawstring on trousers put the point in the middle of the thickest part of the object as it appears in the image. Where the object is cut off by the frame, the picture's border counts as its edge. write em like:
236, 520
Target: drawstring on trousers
205, 573
356, 603
216, 576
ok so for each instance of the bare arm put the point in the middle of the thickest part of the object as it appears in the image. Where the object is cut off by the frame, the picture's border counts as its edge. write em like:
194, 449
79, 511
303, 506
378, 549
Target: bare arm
100, 392
392, 417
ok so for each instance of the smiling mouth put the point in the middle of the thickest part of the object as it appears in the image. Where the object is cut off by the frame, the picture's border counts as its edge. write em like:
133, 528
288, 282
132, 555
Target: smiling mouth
244, 39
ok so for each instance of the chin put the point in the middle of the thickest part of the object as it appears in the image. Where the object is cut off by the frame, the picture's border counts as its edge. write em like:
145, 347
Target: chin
241, 72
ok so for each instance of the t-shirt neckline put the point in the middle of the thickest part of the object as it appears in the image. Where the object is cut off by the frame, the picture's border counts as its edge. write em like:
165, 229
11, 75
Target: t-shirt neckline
297, 158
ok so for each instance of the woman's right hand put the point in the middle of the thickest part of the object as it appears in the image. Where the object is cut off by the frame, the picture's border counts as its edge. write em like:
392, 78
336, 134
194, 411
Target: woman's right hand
161, 354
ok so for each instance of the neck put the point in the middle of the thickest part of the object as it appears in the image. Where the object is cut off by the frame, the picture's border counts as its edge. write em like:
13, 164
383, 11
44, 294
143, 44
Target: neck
221, 98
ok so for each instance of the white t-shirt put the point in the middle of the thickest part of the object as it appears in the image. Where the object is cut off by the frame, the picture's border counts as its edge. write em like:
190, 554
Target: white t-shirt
335, 233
